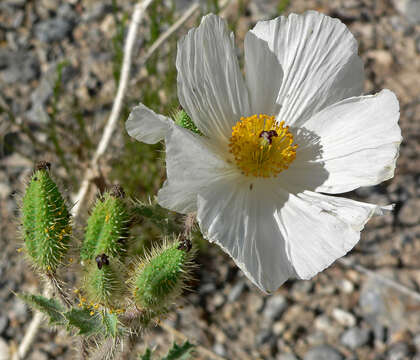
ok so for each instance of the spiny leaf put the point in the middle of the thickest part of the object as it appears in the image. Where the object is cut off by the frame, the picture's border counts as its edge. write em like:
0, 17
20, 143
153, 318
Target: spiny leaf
180, 352
86, 323
50, 307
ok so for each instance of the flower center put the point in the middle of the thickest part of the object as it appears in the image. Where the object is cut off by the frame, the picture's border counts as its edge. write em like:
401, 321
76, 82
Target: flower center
261, 146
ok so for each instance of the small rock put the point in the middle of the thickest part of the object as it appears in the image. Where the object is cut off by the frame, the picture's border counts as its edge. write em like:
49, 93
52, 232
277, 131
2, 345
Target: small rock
323, 352
355, 337
417, 40
286, 357
4, 350
416, 342
38, 355
323, 323
263, 336
4, 322
219, 349
399, 351
20, 66
55, 29
343, 317
410, 9
236, 291
346, 286
274, 307
410, 212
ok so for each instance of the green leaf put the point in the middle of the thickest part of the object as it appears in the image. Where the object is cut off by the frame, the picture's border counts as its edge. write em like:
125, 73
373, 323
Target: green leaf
180, 352
86, 323
50, 307
147, 355
110, 322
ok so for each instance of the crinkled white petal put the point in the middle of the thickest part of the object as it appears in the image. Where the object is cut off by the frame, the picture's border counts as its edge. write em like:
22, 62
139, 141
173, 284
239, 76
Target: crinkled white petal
273, 235
211, 88
320, 229
359, 141
191, 165
241, 219
263, 74
146, 126
319, 58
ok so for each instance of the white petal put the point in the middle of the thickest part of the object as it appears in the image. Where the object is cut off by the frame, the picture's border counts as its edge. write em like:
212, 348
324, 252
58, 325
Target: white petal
320, 229
263, 75
211, 88
319, 58
241, 220
191, 165
359, 140
146, 126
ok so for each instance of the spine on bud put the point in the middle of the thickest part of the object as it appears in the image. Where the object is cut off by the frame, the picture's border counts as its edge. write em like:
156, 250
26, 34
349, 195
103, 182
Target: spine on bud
45, 221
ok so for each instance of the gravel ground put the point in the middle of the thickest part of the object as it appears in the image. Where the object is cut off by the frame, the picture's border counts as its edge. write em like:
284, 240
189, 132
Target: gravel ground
341, 313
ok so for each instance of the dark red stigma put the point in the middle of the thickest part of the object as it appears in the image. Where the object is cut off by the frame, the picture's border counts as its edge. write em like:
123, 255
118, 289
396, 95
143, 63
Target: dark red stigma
267, 135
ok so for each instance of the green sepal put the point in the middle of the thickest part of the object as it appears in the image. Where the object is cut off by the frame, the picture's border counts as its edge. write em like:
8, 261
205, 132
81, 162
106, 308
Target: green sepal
182, 119
50, 307
45, 222
107, 229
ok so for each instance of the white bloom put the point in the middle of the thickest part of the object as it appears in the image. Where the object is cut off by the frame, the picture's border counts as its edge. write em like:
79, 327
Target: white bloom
256, 195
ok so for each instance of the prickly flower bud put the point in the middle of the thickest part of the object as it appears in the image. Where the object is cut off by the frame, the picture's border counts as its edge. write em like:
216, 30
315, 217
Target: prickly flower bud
160, 278
104, 282
45, 220
182, 119
107, 229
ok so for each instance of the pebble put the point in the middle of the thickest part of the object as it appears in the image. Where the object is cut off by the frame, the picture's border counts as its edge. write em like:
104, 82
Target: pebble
56, 29
355, 337
417, 40
345, 286
4, 322
274, 307
219, 349
38, 355
343, 317
236, 291
263, 336
399, 351
410, 212
323, 352
286, 357
4, 350
20, 66
323, 323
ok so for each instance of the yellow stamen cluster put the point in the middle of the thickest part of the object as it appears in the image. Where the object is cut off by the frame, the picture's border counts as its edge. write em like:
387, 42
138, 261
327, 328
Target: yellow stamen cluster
261, 146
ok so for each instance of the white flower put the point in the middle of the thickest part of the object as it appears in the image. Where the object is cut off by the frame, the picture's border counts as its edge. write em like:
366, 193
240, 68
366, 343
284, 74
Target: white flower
256, 194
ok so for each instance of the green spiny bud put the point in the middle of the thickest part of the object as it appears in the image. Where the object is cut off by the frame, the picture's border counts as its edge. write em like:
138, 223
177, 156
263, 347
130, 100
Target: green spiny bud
45, 220
182, 119
160, 278
104, 283
107, 230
